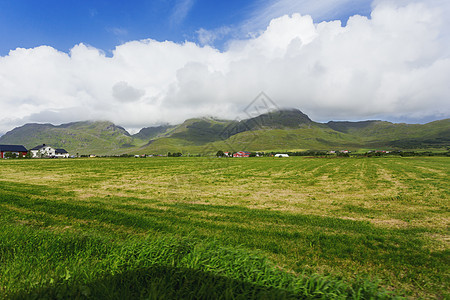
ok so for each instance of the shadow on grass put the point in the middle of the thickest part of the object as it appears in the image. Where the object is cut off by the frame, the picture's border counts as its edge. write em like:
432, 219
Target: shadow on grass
158, 282
115, 212
401, 251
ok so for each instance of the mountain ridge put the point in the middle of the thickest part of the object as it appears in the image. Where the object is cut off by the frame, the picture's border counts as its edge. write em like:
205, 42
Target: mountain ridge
276, 130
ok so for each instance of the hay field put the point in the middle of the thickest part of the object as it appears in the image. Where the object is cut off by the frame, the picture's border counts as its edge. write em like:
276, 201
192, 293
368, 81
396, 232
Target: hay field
218, 228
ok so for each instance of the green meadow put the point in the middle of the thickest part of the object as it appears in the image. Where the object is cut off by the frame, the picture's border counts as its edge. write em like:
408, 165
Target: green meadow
218, 228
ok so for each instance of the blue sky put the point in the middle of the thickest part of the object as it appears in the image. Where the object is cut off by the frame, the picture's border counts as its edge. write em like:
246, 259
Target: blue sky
104, 24
142, 63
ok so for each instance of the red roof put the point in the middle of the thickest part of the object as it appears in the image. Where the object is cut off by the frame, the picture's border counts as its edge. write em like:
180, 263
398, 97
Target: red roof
241, 154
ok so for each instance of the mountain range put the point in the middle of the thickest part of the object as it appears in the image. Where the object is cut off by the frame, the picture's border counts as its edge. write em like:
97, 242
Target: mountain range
281, 130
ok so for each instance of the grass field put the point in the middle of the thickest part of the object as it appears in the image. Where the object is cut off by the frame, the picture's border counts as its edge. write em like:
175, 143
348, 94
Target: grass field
225, 228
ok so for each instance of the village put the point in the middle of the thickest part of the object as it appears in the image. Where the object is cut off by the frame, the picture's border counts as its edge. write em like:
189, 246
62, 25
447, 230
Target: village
47, 151
41, 151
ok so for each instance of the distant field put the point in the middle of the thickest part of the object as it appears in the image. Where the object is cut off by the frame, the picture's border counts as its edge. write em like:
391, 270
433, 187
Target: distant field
210, 227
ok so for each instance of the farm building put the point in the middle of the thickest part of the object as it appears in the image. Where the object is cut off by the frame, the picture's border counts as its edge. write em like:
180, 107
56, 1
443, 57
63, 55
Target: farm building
43, 151
61, 153
281, 155
17, 150
47, 151
241, 154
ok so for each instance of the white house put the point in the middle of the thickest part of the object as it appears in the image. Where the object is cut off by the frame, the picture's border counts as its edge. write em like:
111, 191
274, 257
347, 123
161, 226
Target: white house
281, 155
47, 151
42, 151
61, 153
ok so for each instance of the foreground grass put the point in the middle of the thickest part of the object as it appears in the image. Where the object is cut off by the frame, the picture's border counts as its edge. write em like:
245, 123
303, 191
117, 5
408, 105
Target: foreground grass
212, 228
156, 267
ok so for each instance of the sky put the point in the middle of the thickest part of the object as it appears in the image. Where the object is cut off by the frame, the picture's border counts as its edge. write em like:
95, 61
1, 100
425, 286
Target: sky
145, 63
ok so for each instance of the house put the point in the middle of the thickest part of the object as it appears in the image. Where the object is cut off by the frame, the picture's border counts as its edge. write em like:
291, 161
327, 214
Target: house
281, 155
61, 153
43, 151
241, 154
17, 150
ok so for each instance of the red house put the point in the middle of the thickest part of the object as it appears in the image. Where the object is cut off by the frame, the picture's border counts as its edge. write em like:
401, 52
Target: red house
18, 150
241, 154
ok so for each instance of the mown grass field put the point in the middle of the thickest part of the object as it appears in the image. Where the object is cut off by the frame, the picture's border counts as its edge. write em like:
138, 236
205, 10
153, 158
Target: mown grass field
225, 228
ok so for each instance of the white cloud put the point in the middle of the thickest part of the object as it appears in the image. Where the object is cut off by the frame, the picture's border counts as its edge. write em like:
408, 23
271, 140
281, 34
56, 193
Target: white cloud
318, 9
122, 91
395, 64
180, 11
207, 37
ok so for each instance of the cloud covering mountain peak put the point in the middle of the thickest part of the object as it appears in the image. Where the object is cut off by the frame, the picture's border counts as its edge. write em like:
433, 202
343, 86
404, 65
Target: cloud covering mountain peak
394, 65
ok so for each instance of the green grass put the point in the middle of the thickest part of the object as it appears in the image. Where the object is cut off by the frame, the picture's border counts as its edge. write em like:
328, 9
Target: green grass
224, 228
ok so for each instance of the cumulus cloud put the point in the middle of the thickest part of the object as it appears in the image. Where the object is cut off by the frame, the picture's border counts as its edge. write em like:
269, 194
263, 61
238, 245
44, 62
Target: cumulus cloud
393, 65
122, 91
318, 9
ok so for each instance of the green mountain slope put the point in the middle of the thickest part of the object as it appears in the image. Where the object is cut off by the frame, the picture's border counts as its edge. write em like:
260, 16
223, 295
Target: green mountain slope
382, 133
293, 130
346, 126
99, 137
202, 131
149, 133
275, 131
281, 119
261, 140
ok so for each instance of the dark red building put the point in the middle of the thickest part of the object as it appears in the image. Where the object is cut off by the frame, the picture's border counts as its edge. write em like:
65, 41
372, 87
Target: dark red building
18, 150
